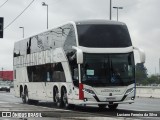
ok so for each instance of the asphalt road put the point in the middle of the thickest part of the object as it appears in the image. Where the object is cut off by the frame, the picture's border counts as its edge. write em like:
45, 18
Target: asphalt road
141, 106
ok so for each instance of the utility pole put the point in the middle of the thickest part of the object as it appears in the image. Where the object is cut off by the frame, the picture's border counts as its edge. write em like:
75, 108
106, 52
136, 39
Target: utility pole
159, 70
23, 30
110, 10
44, 4
2, 73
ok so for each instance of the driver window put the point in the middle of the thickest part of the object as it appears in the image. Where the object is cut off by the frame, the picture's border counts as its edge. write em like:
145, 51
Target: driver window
75, 73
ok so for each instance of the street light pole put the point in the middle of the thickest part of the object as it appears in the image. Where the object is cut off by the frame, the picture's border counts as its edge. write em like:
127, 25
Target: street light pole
159, 69
110, 9
23, 30
2, 73
44, 4
117, 10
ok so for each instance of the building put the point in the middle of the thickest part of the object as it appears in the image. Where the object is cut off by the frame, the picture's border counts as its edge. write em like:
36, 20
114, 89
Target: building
6, 75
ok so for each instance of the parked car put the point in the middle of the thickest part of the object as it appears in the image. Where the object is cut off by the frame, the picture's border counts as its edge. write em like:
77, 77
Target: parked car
11, 85
4, 86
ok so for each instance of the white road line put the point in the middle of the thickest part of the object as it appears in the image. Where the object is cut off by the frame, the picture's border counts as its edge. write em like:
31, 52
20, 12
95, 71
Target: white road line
3, 102
133, 109
55, 109
8, 95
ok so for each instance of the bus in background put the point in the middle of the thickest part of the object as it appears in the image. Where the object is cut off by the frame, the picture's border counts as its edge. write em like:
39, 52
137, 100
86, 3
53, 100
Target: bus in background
88, 62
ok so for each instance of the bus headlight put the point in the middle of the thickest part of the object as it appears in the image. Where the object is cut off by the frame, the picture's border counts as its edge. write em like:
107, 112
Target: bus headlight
89, 91
129, 91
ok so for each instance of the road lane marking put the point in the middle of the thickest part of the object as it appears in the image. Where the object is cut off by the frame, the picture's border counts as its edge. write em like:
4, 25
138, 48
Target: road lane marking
3, 102
8, 95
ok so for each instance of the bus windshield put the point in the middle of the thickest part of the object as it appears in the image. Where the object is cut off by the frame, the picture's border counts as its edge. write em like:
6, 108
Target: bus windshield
108, 69
102, 36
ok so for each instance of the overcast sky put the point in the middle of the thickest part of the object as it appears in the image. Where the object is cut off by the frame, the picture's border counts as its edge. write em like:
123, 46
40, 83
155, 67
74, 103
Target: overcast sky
141, 16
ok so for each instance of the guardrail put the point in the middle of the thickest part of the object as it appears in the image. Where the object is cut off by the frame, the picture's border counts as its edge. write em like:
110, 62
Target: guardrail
148, 91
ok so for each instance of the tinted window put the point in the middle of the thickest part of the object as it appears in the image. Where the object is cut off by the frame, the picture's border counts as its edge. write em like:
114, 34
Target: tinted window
44, 41
69, 38
40, 73
58, 73
103, 36
46, 73
108, 69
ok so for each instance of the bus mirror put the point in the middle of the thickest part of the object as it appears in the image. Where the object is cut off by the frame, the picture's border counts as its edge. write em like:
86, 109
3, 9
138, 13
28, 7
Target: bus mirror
79, 55
142, 54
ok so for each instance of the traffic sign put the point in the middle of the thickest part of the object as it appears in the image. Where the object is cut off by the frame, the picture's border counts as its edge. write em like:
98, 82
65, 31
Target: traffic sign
1, 27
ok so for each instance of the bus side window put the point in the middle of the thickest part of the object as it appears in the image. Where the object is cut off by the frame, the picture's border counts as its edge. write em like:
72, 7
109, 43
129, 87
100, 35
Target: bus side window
48, 72
48, 77
58, 73
75, 73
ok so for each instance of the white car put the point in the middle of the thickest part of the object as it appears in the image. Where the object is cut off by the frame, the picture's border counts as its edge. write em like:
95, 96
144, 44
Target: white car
4, 86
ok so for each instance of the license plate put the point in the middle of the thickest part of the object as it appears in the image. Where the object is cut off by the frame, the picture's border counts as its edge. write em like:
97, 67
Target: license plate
111, 98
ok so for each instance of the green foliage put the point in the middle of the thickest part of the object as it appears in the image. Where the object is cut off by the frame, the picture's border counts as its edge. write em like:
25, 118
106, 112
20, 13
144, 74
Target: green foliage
153, 79
142, 76
141, 73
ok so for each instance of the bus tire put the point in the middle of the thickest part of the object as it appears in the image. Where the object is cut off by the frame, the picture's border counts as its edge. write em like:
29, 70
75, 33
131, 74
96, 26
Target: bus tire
56, 97
65, 99
102, 106
113, 107
25, 98
21, 91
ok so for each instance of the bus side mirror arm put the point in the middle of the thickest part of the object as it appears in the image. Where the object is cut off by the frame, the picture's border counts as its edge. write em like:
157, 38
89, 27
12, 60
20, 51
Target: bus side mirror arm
141, 54
79, 55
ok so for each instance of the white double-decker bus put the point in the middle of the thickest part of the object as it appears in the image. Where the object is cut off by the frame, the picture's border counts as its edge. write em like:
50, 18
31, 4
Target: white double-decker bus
79, 63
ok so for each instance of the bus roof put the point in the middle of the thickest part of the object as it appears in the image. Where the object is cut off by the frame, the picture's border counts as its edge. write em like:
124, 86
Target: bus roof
81, 22
98, 21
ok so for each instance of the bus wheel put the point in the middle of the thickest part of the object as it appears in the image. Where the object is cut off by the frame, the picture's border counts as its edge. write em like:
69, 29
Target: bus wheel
25, 98
65, 98
57, 98
113, 107
22, 96
102, 106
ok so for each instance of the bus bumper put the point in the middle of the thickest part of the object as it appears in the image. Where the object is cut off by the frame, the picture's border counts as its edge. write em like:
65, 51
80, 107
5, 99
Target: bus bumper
107, 103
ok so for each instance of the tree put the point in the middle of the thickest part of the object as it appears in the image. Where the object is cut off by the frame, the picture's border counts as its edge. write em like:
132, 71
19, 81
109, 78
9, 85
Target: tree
141, 73
153, 79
